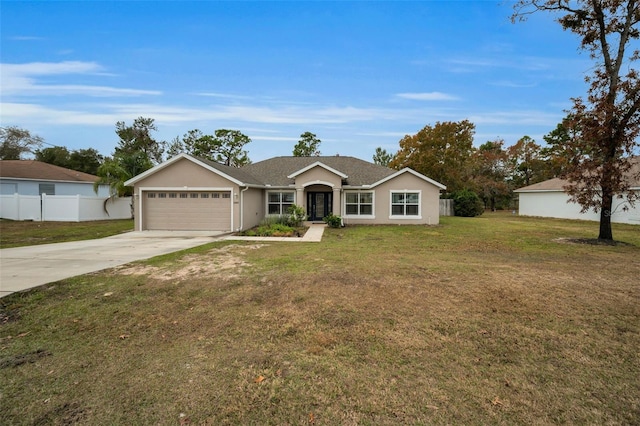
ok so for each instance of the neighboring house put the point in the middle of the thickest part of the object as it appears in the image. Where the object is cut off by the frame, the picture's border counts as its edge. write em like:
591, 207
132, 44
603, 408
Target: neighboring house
189, 193
37, 191
30, 177
548, 199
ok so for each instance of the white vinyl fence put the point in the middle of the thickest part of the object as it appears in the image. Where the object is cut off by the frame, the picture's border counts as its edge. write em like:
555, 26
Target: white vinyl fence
63, 208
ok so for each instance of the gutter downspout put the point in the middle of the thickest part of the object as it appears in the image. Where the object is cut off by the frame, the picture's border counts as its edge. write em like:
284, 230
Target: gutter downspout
242, 209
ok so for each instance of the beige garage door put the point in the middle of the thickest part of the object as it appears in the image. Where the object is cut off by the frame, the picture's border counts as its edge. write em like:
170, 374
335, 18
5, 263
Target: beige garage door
187, 211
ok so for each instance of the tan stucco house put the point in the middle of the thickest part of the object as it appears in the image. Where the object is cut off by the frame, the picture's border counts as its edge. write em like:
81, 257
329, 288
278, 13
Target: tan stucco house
190, 193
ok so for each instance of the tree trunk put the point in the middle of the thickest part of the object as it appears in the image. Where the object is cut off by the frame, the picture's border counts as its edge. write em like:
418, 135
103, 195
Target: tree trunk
605, 216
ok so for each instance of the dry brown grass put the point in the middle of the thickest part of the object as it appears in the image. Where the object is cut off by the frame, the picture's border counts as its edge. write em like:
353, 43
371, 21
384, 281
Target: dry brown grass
478, 321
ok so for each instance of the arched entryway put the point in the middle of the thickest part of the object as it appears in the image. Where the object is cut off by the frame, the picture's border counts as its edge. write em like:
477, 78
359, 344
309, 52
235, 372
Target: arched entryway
319, 201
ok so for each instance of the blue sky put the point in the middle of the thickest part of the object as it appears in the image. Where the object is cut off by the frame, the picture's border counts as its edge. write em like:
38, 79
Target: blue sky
357, 74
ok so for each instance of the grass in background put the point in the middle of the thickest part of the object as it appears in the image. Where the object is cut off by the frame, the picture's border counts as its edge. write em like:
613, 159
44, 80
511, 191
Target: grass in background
28, 233
483, 320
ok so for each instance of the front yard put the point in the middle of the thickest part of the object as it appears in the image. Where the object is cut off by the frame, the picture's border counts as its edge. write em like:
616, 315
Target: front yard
489, 320
24, 233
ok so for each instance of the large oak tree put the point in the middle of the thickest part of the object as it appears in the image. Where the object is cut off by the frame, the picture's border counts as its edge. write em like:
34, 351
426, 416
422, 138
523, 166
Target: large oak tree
442, 152
605, 125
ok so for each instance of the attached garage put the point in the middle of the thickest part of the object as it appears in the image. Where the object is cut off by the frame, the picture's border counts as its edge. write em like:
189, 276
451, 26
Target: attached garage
187, 210
191, 194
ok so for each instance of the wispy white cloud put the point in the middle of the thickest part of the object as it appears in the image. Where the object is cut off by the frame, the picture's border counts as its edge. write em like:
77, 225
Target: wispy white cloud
427, 96
535, 64
23, 80
512, 84
51, 68
85, 90
222, 95
525, 117
32, 114
109, 113
25, 38
274, 138
398, 135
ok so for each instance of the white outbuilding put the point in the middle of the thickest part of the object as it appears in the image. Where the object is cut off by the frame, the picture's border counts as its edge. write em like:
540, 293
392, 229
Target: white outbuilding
549, 199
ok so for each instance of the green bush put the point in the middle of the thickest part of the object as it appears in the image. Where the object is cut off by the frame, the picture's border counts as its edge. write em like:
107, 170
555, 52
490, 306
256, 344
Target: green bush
467, 204
297, 215
332, 220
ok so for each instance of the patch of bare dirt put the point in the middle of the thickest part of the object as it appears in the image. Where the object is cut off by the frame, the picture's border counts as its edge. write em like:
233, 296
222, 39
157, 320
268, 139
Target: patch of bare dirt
225, 262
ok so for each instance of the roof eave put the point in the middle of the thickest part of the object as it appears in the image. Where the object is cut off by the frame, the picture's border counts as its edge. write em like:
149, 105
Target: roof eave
88, 182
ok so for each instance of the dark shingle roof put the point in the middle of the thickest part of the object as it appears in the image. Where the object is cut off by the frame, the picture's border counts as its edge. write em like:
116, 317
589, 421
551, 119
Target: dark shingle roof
31, 169
240, 174
274, 171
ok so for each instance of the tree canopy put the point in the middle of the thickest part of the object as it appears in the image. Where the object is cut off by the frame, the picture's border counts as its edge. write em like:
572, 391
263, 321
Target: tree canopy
224, 147
526, 164
137, 138
16, 142
382, 157
490, 176
82, 160
605, 125
136, 152
307, 146
442, 152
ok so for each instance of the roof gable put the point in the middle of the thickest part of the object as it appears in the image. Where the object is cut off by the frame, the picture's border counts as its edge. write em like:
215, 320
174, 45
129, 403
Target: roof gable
38, 170
413, 172
317, 164
232, 174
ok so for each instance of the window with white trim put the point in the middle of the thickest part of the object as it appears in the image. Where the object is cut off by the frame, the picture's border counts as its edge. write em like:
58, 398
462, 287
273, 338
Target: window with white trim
279, 202
358, 203
405, 204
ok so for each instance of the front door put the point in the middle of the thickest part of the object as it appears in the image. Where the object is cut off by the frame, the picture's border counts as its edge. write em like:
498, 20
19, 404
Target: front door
319, 205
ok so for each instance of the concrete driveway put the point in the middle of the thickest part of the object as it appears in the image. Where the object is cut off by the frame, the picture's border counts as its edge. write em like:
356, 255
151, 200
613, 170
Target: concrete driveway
27, 267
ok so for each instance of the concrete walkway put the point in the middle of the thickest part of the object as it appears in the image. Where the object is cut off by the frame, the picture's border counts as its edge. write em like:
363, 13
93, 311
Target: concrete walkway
22, 268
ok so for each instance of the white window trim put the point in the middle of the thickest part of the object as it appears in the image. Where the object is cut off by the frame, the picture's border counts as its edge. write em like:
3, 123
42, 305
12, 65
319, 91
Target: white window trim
359, 216
282, 191
405, 191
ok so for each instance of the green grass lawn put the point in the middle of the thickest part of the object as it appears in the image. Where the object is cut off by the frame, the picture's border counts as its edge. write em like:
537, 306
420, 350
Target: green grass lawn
488, 320
26, 233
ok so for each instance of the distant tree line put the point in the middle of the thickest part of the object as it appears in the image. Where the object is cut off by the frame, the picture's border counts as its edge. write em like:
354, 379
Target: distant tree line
446, 153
